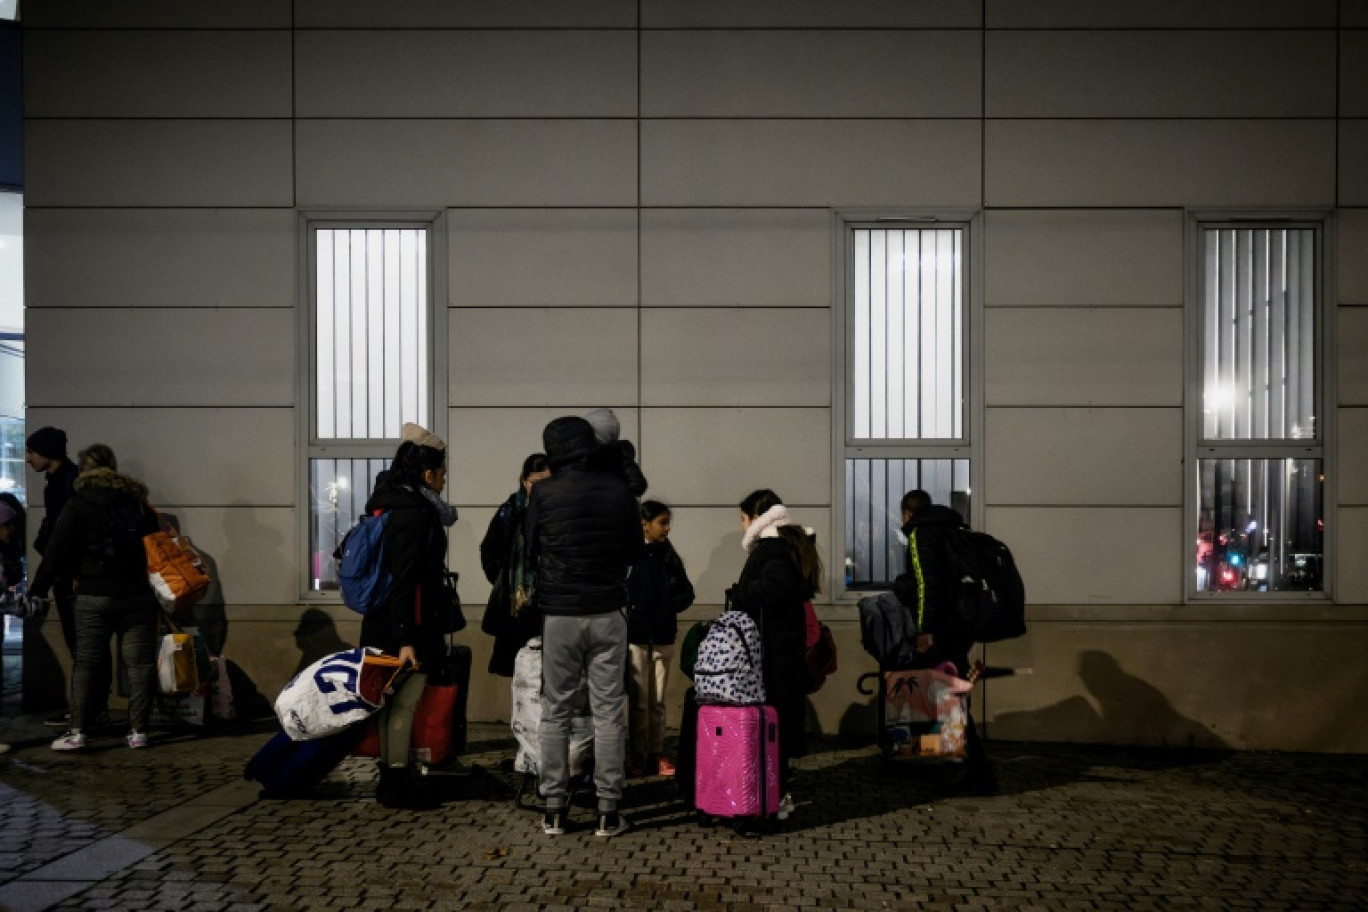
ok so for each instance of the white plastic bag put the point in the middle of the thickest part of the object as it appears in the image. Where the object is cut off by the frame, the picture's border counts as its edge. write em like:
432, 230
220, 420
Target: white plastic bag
527, 715
335, 693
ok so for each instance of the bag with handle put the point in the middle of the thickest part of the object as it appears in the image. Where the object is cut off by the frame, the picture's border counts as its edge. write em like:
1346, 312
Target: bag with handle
729, 669
991, 601
361, 574
175, 569
335, 693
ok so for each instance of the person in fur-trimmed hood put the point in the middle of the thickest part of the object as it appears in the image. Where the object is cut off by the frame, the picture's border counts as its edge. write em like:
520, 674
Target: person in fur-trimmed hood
782, 572
98, 539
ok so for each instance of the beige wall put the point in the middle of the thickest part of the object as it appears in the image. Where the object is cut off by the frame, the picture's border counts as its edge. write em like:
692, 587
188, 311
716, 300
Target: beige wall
639, 205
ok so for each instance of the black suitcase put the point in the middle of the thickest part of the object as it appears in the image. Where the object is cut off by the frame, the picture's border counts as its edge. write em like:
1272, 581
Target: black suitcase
686, 760
290, 769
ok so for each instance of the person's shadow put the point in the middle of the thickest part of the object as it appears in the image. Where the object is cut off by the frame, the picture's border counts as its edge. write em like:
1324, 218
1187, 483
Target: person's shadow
315, 637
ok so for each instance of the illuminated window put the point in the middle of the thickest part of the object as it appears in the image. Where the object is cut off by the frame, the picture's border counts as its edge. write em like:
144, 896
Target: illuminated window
371, 367
1260, 467
905, 395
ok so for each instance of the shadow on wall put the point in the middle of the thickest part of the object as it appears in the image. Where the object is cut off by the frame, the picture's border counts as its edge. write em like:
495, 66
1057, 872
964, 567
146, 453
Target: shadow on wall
1128, 710
316, 636
721, 571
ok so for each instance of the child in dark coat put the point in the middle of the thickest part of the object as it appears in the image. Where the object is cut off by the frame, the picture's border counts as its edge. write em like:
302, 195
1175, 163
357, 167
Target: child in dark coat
658, 590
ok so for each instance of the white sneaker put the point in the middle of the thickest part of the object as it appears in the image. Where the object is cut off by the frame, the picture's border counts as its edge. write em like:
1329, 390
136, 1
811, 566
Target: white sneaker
137, 740
786, 807
71, 741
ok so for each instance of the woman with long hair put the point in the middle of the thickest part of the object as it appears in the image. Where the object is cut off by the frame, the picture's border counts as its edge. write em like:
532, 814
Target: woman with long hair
406, 623
503, 551
783, 571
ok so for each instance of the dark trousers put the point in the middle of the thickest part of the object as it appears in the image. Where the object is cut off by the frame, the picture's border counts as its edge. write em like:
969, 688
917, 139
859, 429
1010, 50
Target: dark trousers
98, 619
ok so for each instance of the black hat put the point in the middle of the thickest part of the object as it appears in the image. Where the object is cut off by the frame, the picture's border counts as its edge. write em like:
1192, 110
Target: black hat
48, 442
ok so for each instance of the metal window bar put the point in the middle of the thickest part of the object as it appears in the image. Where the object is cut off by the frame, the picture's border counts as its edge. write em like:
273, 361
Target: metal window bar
371, 332
1259, 357
875, 553
907, 334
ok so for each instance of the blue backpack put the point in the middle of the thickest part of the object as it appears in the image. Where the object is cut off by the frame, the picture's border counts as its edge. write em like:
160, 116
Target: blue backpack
361, 573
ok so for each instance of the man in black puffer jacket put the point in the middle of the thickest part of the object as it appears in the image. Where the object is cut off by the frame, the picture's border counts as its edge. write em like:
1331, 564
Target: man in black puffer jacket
583, 533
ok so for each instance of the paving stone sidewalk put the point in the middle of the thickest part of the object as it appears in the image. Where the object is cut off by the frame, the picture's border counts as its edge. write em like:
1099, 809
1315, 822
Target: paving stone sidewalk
1088, 828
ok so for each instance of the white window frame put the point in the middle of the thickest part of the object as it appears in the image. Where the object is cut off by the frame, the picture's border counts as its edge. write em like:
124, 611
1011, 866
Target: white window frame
844, 444
311, 446
1197, 448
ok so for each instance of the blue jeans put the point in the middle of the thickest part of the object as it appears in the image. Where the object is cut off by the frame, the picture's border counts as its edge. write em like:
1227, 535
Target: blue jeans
572, 646
134, 620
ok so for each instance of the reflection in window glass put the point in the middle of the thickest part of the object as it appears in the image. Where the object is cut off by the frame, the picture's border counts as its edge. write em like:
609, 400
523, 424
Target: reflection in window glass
1260, 525
338, 490
874, 547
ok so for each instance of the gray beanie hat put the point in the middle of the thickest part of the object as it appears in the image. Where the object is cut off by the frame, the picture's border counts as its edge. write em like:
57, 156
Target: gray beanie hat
605, 425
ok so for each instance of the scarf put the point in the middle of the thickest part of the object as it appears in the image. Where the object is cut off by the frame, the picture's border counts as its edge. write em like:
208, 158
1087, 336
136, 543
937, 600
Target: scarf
445, 511
765, 525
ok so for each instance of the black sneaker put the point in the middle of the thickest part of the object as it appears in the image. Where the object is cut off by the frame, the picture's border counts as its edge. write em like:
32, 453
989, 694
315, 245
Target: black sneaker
612, 824
553, 823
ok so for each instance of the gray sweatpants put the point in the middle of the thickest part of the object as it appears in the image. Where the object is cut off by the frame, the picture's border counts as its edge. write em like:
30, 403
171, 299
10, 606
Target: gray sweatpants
572, 646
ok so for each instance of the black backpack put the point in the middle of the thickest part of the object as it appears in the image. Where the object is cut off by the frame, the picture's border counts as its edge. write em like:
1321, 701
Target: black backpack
992, 598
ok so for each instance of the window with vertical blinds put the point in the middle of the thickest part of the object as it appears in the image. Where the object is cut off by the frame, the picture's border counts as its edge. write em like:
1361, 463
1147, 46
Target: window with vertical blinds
371, 368
905, 388
1260, 469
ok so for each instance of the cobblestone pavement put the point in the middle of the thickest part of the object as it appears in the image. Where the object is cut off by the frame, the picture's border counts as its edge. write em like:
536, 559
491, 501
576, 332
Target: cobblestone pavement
1072, 827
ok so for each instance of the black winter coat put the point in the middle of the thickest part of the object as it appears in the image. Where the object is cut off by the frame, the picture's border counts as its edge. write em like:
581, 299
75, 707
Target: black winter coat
658, 590
501, 549
56, 493
98, 538
930, 586
771, 590
583, 527
414, 548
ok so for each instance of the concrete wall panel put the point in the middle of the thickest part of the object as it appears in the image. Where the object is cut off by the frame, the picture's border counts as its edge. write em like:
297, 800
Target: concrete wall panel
1161, 73
1351, 571
162, 73
1351, 282
1251, 14
1353, 162
160, 257
201, 457
157, 163
750, 257
1351, 339
576, 357
810, 163
1067, 357
542, 257
765, 356
192, 357
1094, 556
440, 73
1083, 258
1352, 462
716, 456
71, 14
466, 14
810, 73
1084, 457
387, 163
1195, 163
809, 14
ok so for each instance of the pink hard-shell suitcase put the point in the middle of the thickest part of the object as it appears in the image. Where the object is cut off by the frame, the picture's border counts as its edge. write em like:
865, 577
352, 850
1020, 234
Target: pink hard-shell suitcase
736, 773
